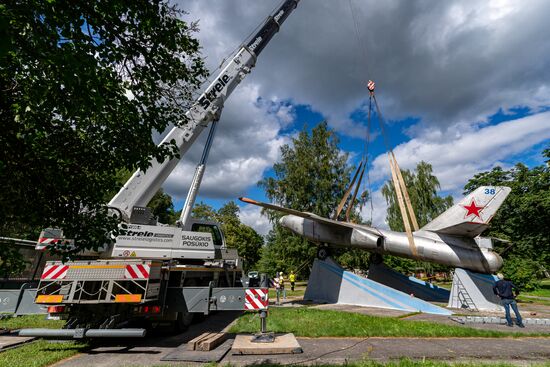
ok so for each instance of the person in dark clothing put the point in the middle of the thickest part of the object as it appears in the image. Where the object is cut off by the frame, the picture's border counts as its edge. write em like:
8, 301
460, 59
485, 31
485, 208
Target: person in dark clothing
505, 290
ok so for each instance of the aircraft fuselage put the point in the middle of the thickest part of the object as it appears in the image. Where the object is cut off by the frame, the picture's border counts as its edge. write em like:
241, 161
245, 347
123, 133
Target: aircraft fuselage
455, 251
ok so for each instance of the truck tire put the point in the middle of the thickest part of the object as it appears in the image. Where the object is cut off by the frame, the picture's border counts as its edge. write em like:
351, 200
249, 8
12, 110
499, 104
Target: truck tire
183, 321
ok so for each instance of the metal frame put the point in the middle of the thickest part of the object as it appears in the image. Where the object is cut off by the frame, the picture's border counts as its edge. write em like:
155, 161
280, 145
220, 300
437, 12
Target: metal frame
102, 284
74, 291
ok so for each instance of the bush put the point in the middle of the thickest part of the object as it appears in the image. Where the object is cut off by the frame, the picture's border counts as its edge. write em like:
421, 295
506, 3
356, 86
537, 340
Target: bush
524, 273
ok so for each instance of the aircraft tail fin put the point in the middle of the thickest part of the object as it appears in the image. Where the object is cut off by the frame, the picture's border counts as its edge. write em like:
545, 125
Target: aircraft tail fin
471, 216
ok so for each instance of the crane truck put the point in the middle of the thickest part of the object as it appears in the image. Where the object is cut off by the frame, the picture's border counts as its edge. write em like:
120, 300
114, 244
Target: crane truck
152, 273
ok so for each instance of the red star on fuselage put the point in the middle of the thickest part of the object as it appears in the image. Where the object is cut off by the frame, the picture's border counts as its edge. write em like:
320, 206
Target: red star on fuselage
473, 209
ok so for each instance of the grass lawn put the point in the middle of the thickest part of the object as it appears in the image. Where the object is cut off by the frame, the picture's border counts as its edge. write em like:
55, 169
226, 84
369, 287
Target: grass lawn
30, 321
309, 322
289, 293
543, 291
445, 285
537, 301
39, 353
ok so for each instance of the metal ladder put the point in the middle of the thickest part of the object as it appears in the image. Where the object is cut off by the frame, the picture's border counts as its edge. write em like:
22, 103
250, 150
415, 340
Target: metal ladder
463, 295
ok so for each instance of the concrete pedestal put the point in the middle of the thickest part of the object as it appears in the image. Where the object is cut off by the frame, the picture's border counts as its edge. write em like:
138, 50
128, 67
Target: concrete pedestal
329, 283
474, 291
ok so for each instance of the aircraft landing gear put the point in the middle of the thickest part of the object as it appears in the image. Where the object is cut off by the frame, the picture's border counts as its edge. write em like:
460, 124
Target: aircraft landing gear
376, 259
323, 252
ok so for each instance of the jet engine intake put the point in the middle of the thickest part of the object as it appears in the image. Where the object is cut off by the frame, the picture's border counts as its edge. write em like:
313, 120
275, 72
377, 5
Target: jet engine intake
366, 240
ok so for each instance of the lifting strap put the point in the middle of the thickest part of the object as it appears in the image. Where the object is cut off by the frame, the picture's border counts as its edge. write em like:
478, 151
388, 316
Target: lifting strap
401, 192
397, 177
405, 193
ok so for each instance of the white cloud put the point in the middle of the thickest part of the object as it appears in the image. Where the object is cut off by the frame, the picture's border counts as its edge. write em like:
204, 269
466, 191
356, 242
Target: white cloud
247, 143
456, 156
251, 216
443, 61
449, 63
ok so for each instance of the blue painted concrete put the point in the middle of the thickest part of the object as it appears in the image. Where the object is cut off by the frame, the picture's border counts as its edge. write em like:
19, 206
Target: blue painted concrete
391, 297
424, 290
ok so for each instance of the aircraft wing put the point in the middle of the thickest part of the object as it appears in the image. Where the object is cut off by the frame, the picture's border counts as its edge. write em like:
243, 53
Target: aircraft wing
311, 216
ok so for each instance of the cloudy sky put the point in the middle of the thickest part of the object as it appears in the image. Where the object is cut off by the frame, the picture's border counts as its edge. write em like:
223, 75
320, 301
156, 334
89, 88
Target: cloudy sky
464, 85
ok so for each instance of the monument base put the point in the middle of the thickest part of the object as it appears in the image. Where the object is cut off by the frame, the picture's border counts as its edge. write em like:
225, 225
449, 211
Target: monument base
424, 290
474, 291
330, 283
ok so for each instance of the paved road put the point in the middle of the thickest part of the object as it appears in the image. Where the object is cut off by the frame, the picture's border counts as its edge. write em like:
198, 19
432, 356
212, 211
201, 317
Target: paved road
150, 351
330, 350
343, 350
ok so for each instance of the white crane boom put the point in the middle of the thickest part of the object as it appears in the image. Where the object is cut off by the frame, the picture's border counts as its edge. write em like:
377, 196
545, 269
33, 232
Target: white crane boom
142, 186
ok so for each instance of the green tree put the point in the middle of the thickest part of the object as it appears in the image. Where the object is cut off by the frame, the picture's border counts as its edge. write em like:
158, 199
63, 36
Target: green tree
422, 187
523, 220
237, 235
11, 261
240, 236
163, 208
83, 86
312, 176
204, 211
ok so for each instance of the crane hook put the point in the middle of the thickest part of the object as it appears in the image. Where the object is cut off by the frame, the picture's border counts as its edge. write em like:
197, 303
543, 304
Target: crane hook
371, 85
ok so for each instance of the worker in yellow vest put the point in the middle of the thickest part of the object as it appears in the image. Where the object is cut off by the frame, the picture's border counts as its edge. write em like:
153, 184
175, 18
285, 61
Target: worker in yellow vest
292, 279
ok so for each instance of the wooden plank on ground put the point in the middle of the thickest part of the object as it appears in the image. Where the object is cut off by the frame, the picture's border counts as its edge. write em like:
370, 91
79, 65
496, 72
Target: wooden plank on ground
10, 341
193, 343
211, 342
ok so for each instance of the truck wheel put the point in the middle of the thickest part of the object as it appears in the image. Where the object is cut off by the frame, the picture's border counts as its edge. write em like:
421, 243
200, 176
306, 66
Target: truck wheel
183, 321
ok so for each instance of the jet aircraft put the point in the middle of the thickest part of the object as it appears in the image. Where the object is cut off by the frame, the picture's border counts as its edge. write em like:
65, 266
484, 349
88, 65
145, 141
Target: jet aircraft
450, 239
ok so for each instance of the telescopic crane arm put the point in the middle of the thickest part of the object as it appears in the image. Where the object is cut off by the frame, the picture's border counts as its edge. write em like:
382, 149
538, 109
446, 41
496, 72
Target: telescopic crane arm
142, 186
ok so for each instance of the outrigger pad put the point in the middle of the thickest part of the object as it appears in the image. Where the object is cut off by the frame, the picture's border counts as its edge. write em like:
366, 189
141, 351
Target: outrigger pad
283, 344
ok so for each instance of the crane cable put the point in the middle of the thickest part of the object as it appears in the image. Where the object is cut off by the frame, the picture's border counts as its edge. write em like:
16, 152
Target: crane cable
395, 167
366, 150
399, 186
397, 178
362, 60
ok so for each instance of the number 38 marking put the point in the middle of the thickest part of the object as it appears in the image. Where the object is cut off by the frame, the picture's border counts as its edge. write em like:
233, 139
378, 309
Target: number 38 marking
489, 191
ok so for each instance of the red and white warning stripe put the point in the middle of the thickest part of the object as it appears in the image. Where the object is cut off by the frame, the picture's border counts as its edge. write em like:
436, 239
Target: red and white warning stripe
137, 271
256, 299
54, 272
43, 242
